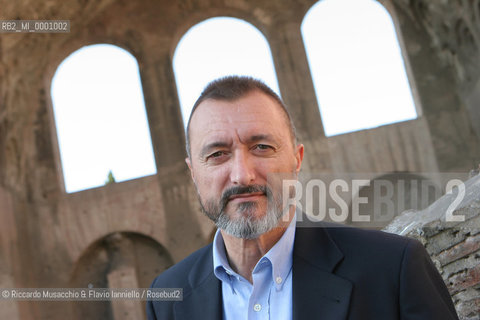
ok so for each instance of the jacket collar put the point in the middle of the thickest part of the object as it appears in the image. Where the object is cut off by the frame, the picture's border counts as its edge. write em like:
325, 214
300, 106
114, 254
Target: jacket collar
204, 299
316, 289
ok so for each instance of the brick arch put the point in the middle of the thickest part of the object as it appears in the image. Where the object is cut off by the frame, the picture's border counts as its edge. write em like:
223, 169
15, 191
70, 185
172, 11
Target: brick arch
352, 79
194, 18
133, 44
388, 5
57, 57
205, 46
117, 260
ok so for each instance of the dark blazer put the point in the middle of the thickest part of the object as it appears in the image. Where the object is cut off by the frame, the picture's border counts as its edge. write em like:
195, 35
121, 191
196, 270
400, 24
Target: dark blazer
338, 273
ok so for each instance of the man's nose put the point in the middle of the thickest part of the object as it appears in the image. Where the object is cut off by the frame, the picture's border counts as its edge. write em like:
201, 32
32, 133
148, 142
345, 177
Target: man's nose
243, 169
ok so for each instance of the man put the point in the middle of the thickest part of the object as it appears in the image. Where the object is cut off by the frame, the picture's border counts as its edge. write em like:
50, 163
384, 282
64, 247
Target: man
240, 139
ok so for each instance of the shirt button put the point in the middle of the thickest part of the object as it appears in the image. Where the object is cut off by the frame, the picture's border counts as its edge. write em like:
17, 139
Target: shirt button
257, 307
278, 280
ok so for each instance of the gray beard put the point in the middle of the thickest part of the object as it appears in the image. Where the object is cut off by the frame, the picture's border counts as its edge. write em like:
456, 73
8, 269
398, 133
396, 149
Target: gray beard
247, 226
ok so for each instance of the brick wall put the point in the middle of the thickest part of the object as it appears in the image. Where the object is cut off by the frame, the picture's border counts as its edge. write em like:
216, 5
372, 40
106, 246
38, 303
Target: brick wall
453, 246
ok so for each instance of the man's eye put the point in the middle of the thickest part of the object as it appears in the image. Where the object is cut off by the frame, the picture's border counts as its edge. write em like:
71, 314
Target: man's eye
216, 154
263, 147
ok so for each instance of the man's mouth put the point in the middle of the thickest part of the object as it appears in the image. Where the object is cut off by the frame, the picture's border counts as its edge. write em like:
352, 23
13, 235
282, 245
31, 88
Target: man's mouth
246, 196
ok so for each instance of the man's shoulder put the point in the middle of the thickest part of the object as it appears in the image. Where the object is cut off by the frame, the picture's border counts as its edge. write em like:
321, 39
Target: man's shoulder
177, 275
358, 242
354, 234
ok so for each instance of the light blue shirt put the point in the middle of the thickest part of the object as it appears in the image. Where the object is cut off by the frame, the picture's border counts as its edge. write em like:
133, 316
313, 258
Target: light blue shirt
270, 296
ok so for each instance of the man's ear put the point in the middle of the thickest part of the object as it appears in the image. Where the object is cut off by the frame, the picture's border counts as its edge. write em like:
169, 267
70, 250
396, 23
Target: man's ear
189, 164
299, 157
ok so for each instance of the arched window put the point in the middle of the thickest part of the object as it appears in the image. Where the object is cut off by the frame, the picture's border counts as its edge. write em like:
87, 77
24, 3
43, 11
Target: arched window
356, 65
100, 118
219, 47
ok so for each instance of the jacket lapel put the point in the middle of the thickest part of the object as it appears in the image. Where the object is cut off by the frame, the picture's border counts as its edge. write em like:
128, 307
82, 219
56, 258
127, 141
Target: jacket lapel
317, 291
204, 300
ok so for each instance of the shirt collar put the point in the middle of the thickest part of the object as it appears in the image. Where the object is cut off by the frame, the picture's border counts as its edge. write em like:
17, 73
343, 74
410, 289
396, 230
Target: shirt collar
221, 267
281, 255
281, 262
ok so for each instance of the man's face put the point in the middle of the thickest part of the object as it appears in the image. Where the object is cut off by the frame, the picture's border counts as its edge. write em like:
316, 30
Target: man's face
234, 146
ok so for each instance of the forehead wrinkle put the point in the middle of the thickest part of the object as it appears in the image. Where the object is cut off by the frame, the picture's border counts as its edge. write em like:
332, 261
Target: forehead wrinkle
218, 141
259, 137
235, 118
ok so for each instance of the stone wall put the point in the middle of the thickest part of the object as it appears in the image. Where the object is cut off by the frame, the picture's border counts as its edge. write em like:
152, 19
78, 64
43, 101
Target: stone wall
453, 246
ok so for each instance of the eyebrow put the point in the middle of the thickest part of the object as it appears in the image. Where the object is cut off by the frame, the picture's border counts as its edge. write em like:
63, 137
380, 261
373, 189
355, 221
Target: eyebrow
216, 144
259, 137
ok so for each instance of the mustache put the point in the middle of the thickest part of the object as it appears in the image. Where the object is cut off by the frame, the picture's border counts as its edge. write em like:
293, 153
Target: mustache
242, 190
